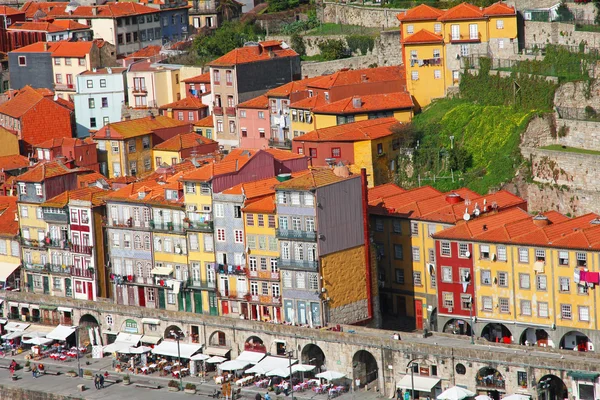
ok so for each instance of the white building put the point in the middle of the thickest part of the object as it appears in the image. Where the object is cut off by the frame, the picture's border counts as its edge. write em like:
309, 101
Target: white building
100, 95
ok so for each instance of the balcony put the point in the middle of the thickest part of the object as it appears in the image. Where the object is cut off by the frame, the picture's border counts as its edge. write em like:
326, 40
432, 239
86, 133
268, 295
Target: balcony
64, 87
464, 38
231, 294
200, 284
280, 144
263, 299
82, 249
59, 269
34, 267
218, 110
263, 275
58, 243
292, 234
83, 272
231, 270
490, 382
130, 223
32, 243
206, 226
230, 111
140, 91
298, 264
165, 226
425, 62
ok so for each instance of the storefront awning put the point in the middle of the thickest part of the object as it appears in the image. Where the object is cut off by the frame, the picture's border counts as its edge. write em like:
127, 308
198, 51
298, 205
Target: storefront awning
6, 269
13, 335
169, 348
24, 305
38, 341
421, 383
233, 365
3, 321
151, 339
162, 271
151, 321
583, 376
45, 307
217, 351
252, 357
61, 332
16, 326
65, 309
270, 363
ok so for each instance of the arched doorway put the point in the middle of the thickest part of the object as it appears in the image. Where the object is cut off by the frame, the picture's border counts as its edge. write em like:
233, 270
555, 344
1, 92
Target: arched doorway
536, 337
364, 367
217, 338
433, 321
457, 327
254, 343
491, 381
172, 331
576, 340
313, 355
551, 387
497, 333
88, 325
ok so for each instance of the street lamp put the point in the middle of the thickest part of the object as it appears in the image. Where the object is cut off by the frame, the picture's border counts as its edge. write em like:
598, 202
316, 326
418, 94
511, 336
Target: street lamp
412, 376
471, 317
79, 372
178, 338
289, 354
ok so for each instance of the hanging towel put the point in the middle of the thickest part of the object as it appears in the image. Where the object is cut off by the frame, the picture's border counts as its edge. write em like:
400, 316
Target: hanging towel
593, 277
176, 286
538, 267
583, 276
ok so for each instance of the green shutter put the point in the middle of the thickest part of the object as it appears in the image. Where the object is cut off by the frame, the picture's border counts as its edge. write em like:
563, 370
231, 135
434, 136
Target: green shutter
188, 301
30, 282
161, 298
68, 289
46, 285
212, 302
198, 302
180, 301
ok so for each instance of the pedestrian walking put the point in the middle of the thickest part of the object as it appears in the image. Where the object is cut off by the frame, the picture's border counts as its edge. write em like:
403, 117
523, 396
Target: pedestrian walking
258, 397
101, 381
96, 382
34, 371
267, 396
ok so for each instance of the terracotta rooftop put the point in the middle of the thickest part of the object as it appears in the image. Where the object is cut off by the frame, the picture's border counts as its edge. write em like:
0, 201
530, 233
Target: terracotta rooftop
382, 191
67, 141
499, 9
146, 52
250, 54
6, 10
260, 102
461, 12
55, 26
372, 102
421, 12
187, 103
314, 179
84, 180
8, 163
9, 225
283, 155
356, 76
94, 195
147, 192
204, 78
353, 132
309, 103
108, 10
24, 100
423, 36
265, 204
291, 87
104, 71
70, 24
137, 127
183, 141
207, 122
59, 49
45, 170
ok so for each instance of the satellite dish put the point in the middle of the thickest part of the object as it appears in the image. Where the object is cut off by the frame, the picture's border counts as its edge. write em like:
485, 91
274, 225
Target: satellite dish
476, 212
468, 254
467, 216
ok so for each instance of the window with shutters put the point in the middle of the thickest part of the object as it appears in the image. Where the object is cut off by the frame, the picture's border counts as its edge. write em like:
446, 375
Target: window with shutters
445, 249
463, 249
563, 258
565, 284
486, 277
523, 255
447, 274
414, 229
525, 307
399, 276
486, 303
504, 305
541, 282
566, 311
484, 252
584, 313
503, 279
220, 235
524, 281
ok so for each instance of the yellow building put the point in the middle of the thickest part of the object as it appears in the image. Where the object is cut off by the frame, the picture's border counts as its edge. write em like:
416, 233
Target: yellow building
125, 148
532, 277
10, 250
183, 147
10, 143
435, 42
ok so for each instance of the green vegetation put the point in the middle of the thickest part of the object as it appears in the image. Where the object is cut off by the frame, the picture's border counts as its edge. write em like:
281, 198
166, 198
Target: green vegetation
566, 149
483, 153
331, 28
229, 36
363, 43
332, 49
302, 26
282, 5
297, 43
434, 3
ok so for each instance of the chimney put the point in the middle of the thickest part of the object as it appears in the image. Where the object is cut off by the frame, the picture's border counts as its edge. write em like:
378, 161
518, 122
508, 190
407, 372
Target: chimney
453, 198
540, 221
150, 115
107, 131
94, 11
45, 46
356, 102
364, 77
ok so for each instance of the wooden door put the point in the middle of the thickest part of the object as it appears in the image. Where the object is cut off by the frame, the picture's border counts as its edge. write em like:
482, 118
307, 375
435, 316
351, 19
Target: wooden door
198, 302
141, 296
419, 313
90, 291
225, 307
161, 299
131, 295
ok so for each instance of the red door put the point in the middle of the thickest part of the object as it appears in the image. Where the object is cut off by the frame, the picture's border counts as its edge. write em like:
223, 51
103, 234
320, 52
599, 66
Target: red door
225, 307
90, 291
419, 313
141, 296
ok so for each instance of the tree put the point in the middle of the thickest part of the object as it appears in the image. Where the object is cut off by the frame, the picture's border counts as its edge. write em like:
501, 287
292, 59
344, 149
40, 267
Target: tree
228, 9
229, 36
333, 49
297, 43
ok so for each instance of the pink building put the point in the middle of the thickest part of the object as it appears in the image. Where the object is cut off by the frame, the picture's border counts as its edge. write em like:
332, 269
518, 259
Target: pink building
189, 109
254, 123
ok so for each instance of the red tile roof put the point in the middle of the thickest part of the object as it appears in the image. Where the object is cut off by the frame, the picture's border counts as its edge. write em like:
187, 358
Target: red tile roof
108, 10
421, 12
69, 24
6, 10
94, 195
356, 76
59, 49
260, 102
183, 141
373, 102
283, 155
8, 163
137, 127
250, 54
204, 78
462, 11
22, 101
264, 204
291, 87
499, 9
313, 179
45, 170
309, 103
84, 180
146, 52
66, 141
56, 26
354, 132
207, 122
423, 36
187, 103
9, 225
382, 191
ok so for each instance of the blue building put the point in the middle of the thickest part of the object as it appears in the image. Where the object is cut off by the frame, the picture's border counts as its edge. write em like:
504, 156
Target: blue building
174, 19
100, 96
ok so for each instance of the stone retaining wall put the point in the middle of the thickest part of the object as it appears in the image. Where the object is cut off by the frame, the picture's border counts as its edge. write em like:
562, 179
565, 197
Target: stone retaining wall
310, 69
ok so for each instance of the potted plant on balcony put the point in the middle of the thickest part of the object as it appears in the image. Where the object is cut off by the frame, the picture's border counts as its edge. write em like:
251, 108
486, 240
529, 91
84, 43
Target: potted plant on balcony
170, 226
173, 386
186, 223
126, 379
190, 388
27, 366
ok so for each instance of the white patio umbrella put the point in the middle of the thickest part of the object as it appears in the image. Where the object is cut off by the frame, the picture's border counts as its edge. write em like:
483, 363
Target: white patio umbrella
199, 357
135, 350
281, 372
332, 375
483, 397
302, 368
516, 396
215, 360
455, 393
256, 369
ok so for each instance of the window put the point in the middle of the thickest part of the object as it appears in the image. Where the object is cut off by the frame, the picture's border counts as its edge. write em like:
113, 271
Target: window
58, 78
448, 300
413, 55
171, 297
397, 227
524, 281
437, 28
313, 281
57, 283
542, 310
22, 188
410, 29
447, 274
463, 249
581, 259
251, 241
271, 221
336, 152
300, 280
216, 77
504, 305
540, 255
57, 62
261, 115
105, 121
221, 235
237, 211
437, 74
465, 301
541, 282
499, 24
417, 279
24, 211
445, 249
250, 219
436, 53
219, 210
379, 225
584, 313
501, 253
464, 50
503, 279
416, 253
398, 252
486, 277
566, 311
563, 258
414, 229
22, 61
239, 236
309, 222
500, 43
400, 276
565, 284
414, 75
102, 83
484, 252
486, 303
104, 102
525, 307
523, 255
91, 103
38, 189
312, 152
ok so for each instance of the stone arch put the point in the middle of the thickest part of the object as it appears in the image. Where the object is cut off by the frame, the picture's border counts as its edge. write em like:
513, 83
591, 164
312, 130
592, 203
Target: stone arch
313, 355
173, 329
551, 387
254, 343
536, 337
87, 322
458, 326
364, 368
576, 340
491, 379
497, 333
217, 338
